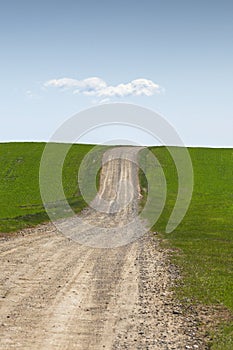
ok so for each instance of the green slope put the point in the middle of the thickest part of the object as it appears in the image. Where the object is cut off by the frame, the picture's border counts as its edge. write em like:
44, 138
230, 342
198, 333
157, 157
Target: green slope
20, 201
204, 239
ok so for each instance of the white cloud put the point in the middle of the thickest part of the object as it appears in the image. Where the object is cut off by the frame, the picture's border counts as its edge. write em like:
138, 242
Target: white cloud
138, 87
81, 85
95, 86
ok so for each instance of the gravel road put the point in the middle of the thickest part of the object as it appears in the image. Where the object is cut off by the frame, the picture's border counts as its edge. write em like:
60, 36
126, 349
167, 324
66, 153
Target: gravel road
57, 293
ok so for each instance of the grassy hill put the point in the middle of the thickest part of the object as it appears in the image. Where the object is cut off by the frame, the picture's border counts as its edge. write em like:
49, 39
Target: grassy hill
203, 241
20, 201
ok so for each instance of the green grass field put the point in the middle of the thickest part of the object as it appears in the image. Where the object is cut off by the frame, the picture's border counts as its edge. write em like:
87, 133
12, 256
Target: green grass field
20, 202
203, 241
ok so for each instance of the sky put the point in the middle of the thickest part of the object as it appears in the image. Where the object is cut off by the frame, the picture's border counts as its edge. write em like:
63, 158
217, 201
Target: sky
61, 57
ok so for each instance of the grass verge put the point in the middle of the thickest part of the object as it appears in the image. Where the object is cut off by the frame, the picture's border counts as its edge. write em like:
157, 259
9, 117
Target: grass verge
203, 242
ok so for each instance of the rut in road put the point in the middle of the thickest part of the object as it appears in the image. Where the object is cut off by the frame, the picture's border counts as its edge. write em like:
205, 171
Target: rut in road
60, 294
115, 205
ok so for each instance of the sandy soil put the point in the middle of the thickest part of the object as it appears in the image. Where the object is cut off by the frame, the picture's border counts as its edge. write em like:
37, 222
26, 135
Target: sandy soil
57, 293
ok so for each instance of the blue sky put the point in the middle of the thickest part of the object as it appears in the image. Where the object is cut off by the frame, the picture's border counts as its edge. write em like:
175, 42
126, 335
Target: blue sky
183, 47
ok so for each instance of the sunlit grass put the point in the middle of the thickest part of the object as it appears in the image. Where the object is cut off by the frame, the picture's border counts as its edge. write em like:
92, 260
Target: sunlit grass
20, 201
204, 239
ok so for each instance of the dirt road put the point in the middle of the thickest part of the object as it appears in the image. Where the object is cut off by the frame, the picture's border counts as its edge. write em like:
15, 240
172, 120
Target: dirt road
59, 294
